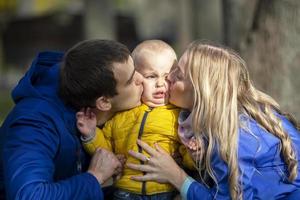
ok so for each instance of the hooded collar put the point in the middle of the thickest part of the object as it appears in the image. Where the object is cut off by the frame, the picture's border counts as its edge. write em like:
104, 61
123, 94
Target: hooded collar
185, 130
41, 81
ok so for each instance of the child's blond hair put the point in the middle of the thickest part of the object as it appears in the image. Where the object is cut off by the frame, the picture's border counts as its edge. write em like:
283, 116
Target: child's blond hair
141, 51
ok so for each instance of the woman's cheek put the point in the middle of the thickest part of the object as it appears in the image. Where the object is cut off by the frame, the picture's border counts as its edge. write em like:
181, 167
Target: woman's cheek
172, 86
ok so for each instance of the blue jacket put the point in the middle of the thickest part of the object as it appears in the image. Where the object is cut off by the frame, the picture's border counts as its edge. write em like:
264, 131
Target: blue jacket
262, 169
41, 153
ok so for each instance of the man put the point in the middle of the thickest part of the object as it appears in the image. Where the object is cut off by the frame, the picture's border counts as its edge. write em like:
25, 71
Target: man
42, 154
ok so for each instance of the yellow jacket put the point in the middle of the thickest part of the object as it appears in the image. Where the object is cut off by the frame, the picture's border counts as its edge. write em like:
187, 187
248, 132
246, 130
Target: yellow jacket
122, 131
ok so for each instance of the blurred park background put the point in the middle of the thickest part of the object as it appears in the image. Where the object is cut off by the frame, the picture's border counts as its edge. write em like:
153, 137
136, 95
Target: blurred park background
265, 32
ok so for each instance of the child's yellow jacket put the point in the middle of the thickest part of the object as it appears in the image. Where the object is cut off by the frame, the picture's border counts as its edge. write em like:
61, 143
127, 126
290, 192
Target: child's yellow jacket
157, 125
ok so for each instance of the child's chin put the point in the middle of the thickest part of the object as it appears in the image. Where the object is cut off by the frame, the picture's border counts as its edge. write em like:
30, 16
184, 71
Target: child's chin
156, 104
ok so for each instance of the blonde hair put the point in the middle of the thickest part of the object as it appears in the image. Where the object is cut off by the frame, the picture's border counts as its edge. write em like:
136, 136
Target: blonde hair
222, 91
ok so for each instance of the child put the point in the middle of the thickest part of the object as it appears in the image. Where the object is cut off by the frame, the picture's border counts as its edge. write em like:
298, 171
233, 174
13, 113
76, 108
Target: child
155, 121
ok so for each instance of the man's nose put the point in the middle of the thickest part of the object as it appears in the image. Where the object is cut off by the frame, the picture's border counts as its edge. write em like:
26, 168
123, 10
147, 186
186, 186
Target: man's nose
138, 78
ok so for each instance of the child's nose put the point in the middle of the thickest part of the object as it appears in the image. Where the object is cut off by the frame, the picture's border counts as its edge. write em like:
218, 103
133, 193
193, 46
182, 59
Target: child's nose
160, 82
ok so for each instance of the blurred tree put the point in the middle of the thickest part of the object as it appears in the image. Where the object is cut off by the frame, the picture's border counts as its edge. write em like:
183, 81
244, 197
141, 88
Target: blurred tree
99, 19
198, 19
186, 23
271, 48
40, 25
7, 8
209, 20
238, 16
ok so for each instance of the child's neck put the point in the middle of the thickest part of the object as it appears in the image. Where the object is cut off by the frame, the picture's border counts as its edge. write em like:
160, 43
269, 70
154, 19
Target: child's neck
103, 117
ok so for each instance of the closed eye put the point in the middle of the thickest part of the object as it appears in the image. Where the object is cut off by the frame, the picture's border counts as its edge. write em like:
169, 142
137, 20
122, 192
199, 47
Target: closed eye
178, 74
129, 81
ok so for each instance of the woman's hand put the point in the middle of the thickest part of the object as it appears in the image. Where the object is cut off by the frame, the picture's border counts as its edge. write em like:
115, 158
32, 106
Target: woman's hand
119, 170
159, 167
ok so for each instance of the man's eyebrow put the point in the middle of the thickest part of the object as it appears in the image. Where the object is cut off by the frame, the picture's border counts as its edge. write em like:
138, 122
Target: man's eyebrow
131, 77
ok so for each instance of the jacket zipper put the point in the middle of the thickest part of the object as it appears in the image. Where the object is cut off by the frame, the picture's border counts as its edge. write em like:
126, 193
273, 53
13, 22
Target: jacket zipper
140, 148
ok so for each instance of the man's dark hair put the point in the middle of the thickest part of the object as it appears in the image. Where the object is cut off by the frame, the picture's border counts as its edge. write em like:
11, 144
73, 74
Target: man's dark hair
86, 72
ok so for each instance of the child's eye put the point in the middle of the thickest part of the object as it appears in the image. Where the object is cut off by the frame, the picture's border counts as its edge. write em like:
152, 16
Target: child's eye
150, 76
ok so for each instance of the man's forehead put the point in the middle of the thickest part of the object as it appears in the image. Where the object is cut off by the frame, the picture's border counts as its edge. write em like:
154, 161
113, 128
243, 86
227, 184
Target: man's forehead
123, 71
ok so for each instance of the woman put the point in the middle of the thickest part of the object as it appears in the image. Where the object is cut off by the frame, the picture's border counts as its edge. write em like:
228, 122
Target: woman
245, 143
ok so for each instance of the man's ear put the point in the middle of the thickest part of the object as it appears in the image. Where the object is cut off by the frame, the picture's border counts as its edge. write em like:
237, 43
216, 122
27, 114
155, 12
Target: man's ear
103, 103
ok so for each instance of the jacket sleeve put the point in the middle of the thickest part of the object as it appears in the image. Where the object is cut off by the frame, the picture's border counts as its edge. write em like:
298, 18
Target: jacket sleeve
102, 139
193, 190
28, 161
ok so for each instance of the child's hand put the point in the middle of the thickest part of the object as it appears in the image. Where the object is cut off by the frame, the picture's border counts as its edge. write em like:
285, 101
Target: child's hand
194, 149
86, 122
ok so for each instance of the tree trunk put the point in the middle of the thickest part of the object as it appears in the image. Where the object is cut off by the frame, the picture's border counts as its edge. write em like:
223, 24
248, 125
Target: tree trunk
272, 51
237, 20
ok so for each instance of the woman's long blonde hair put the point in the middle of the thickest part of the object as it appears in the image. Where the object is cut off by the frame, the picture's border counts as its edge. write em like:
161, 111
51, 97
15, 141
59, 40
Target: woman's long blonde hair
222, 91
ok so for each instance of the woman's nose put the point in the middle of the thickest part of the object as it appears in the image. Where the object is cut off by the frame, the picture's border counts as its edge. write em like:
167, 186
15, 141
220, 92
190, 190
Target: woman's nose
169, 77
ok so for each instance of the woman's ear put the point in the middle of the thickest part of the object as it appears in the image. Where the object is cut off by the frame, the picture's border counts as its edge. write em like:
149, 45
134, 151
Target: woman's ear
103, 103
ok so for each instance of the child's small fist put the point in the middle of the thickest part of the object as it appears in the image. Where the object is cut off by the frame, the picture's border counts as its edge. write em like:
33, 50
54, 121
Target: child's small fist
86, 122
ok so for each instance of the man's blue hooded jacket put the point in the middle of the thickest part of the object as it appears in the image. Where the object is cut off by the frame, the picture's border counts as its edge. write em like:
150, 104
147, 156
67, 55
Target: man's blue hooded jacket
41, 153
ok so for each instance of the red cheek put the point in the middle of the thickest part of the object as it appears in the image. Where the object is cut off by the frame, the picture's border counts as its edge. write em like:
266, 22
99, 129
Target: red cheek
171, 86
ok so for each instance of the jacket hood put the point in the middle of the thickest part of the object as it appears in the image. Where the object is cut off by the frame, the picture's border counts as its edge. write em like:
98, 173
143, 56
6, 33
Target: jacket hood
42, 78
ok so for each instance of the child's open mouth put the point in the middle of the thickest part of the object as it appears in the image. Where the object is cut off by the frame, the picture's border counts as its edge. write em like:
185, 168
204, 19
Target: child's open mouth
159, 95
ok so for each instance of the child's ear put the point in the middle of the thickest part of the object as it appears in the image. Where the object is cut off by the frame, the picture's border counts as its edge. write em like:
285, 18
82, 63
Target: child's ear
103, 103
